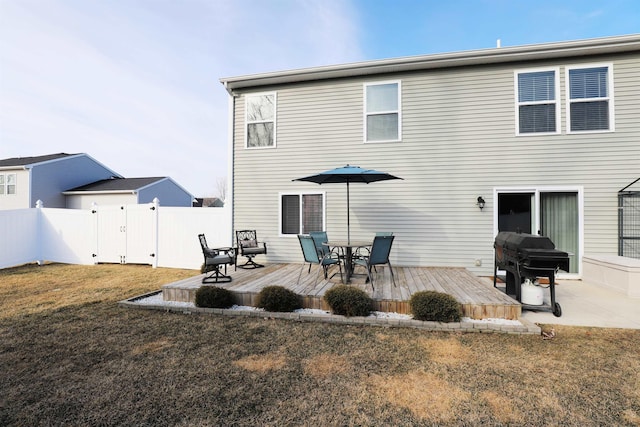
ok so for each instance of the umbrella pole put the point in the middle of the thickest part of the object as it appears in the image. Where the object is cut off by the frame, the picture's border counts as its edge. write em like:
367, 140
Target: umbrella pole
348, 222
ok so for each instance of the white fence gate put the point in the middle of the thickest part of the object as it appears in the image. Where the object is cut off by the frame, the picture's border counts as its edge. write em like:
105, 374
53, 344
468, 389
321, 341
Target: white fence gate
131, 234
127, 234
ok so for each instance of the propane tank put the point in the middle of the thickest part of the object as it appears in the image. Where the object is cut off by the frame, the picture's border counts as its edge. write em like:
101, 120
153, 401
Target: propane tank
531, 294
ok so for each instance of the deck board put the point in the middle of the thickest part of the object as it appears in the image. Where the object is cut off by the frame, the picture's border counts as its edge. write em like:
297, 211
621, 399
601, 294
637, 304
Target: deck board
478, 297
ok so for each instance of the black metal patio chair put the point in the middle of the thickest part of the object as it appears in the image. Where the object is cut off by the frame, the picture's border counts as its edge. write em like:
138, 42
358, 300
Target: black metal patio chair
249, 247
214, 259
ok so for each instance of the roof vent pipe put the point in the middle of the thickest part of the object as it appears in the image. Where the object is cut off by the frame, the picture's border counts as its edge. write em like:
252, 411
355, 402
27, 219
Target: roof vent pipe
498, 44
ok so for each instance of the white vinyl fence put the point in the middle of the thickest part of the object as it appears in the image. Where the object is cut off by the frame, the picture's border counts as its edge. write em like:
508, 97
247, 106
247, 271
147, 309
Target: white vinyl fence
123, 234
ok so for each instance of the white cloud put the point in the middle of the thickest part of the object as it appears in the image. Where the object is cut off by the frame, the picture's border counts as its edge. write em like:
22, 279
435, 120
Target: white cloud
135, 84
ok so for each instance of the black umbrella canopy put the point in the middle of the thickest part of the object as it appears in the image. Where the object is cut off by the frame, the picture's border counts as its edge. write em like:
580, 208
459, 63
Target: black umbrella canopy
348, 174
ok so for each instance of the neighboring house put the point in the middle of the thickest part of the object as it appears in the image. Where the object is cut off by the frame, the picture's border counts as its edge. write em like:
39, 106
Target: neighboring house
208, 202
545, 134
76, 181
25, 180
128, 191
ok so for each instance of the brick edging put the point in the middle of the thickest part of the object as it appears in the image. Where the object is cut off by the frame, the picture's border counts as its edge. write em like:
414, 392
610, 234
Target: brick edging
527, 327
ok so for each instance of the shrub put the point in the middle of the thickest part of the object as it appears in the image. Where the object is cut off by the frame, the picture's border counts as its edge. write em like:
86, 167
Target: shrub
435, 306
348, 301
214, 297
278, 298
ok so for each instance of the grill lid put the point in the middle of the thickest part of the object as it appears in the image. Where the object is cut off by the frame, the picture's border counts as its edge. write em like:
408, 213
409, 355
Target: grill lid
517, 241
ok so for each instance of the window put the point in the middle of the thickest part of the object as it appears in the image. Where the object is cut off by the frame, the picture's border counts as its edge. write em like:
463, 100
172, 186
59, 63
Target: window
537, 105
382, 112
590, 98
301, 213
261, 120
8, 183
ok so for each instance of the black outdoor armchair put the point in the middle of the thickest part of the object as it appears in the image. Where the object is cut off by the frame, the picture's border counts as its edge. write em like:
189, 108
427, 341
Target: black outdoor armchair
214, 259
249, 247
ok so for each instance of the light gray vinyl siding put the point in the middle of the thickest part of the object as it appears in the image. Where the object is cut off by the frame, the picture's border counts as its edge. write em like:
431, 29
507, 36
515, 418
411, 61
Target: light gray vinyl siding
458, 142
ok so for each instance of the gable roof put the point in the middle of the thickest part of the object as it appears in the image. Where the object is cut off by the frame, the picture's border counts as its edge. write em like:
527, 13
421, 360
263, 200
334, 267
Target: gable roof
116, 185
30, 161
424, 62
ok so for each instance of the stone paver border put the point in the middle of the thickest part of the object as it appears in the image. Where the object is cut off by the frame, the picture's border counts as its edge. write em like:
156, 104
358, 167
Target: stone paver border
527, 327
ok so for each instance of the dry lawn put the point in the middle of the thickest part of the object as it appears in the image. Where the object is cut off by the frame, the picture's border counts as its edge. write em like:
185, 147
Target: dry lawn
70, 355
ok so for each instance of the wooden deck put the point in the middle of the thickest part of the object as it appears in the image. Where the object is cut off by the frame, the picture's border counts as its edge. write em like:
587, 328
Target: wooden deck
479, 299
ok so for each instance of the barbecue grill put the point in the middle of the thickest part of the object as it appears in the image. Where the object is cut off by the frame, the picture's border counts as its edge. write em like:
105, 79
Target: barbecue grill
527, 256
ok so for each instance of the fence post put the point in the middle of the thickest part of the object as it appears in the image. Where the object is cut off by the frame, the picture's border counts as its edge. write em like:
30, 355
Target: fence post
156, 212
94, 211
40, 243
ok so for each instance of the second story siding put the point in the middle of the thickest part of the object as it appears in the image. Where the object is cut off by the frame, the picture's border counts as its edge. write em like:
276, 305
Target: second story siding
459, 140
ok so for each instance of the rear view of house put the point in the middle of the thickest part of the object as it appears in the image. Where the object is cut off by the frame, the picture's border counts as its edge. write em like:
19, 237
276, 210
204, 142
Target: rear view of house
536, 138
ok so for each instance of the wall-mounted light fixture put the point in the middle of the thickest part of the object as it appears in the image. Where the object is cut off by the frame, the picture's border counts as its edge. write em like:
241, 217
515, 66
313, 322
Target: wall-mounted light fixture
481, 202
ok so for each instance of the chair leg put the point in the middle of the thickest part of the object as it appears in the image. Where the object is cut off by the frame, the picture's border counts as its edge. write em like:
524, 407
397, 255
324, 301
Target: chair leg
217, 276
370, 276
300, 274
393, 277
250, 263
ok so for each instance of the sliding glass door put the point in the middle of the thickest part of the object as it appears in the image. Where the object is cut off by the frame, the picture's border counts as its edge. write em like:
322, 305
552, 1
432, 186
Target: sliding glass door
553, 212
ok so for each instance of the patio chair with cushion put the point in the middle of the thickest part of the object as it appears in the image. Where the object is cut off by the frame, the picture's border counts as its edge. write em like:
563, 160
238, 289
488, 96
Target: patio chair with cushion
214, 259
378, 255
313, 256
248, 246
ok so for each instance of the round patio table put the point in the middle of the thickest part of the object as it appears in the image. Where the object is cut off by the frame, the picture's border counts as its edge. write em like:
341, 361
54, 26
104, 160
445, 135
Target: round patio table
347, 248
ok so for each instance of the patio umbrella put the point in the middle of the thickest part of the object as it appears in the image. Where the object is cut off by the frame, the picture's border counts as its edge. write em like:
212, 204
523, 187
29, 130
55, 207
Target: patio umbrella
348, 174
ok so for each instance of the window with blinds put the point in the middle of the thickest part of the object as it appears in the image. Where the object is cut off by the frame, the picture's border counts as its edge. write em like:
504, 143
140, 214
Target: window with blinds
590, 102
537, 109
301, 213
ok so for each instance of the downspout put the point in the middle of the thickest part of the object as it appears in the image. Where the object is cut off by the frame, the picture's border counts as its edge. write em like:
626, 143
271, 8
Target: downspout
30, 186
229, 202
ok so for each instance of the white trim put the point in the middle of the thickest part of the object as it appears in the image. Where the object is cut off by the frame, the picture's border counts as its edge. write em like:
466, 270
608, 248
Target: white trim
5, 184
246, 121
88, 192
301, 193
365, 113
536, 190
556, 72
610, 98
505, 54
228, 203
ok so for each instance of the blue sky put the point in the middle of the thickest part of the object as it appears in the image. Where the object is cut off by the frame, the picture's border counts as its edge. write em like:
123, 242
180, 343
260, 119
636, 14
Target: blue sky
134, 83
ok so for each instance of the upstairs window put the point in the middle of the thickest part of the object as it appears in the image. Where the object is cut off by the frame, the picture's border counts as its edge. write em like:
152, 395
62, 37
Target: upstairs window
8, 183
537, 109
590, 99
301, 213
382, 112
261, 120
